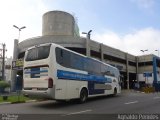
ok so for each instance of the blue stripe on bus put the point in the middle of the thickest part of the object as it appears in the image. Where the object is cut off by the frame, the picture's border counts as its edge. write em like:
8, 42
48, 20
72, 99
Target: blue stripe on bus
79, 76
36, 72
92, 80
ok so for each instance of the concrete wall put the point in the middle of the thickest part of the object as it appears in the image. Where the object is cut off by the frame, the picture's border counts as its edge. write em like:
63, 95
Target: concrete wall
145, 58
113, 52
58, 23
145, 68
66, 41
78, 42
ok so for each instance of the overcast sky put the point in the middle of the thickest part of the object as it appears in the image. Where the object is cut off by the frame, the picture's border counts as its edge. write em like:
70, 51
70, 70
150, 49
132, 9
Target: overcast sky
128, 25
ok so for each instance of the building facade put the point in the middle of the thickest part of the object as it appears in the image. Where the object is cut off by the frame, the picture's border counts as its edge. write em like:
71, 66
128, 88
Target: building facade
60, 27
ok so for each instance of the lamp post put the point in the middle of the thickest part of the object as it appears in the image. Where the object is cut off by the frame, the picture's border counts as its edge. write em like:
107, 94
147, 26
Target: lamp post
88, 35
19, 29
144, 50
144, 64
15, 56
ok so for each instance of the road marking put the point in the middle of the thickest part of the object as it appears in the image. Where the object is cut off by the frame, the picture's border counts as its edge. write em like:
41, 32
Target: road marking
131, 102
77, 112
156, 98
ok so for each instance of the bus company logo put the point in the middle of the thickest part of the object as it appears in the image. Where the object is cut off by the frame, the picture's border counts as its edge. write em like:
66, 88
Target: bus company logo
9, 117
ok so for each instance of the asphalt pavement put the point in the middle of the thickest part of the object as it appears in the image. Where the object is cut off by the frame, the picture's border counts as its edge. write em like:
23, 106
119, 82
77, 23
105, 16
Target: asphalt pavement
127, 103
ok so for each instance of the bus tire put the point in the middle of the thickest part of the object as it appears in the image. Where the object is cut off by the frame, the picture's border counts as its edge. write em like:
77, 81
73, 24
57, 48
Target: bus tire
83, 95
115, 92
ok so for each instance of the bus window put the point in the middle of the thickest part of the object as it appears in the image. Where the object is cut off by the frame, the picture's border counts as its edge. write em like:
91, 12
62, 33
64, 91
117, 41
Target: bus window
59, 56
77, 62
38, 53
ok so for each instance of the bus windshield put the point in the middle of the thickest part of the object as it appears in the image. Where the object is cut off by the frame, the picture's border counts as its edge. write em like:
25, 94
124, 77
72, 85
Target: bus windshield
38, 53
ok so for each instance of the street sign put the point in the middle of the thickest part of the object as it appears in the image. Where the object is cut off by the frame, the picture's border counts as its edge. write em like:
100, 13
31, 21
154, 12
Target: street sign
17, 65
147, 74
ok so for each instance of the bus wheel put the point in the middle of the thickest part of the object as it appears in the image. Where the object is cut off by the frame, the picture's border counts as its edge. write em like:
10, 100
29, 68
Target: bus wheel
115, 92
83, 95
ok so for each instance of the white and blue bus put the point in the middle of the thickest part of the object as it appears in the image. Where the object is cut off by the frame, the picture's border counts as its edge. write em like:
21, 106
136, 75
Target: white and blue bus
54, 72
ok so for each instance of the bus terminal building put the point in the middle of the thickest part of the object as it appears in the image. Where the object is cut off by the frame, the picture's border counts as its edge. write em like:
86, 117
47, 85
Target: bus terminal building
60, 27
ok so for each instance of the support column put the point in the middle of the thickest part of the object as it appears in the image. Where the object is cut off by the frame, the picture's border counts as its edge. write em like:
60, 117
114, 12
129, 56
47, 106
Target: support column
14, 72
155, 70
87, 47
101, 51
137, 60
127, 70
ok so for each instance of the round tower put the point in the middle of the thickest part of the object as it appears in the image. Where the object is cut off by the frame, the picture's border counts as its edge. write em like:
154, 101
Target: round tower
58, 23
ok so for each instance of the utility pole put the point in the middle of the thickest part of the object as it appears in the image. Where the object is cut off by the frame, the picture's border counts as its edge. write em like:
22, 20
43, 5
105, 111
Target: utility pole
3, 60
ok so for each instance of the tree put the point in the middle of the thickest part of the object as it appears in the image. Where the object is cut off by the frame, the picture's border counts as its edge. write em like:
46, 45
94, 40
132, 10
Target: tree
3, 85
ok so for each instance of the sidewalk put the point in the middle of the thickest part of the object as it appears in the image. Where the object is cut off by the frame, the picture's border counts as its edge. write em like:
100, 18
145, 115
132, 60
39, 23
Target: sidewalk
131, 91
135, 91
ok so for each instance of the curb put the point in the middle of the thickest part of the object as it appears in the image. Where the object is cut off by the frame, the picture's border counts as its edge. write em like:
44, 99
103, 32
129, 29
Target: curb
28, 101
5, 103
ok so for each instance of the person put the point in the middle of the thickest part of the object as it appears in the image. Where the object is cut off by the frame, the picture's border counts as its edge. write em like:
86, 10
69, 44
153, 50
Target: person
136, 85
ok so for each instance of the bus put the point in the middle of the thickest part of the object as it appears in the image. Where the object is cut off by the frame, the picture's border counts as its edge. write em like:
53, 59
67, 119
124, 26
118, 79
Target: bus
53, 72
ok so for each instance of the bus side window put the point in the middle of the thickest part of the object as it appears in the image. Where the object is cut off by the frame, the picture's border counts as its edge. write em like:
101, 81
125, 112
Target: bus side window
61, 53
59, 56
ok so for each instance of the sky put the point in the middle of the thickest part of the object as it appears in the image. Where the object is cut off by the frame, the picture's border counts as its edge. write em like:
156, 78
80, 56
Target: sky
128, 25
